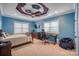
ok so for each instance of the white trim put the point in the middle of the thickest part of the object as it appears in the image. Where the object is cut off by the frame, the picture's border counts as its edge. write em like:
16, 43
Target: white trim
36, 19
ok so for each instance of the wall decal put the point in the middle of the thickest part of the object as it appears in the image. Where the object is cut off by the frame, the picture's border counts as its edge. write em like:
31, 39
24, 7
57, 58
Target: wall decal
34, 9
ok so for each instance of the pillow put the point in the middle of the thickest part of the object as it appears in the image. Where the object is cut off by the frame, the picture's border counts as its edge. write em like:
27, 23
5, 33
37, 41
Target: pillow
4, 34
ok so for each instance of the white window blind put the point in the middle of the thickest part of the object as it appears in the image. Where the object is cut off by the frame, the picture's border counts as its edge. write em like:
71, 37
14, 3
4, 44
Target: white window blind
52, 26
21, 27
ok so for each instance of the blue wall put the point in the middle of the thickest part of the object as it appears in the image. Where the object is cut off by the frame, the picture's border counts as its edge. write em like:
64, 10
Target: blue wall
39, 27
31, 26
8, 23
66, 25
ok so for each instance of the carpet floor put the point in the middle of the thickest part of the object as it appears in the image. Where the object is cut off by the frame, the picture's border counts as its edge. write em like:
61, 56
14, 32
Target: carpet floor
37, 48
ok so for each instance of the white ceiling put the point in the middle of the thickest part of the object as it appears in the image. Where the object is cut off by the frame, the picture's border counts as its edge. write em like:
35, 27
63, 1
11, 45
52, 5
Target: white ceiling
9, 9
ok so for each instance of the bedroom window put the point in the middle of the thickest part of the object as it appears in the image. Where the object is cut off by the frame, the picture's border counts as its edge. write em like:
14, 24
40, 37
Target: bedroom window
47, 27
21, 27
52, 26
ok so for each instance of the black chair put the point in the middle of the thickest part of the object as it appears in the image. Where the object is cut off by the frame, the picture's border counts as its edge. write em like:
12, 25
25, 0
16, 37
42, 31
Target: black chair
66, 43
52, 38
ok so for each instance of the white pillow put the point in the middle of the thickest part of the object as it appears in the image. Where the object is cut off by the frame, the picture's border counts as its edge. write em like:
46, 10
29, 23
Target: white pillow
4, 34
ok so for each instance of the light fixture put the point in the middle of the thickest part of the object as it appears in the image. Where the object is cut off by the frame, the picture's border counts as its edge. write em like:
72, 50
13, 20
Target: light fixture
30, 12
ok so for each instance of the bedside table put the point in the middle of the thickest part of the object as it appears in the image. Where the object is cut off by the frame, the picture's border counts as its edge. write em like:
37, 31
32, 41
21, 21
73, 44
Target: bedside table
5, 48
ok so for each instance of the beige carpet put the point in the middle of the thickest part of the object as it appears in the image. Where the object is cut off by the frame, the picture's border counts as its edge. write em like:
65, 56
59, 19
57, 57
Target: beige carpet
39, 49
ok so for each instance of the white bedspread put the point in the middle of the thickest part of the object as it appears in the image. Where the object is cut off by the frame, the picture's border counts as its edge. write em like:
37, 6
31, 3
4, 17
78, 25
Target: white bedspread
17, 39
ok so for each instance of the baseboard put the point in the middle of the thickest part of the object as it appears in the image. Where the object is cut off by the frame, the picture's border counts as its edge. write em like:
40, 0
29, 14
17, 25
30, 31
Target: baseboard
20, 44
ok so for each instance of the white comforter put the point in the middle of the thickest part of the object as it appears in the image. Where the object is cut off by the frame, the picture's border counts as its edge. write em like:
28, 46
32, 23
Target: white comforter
18, 39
